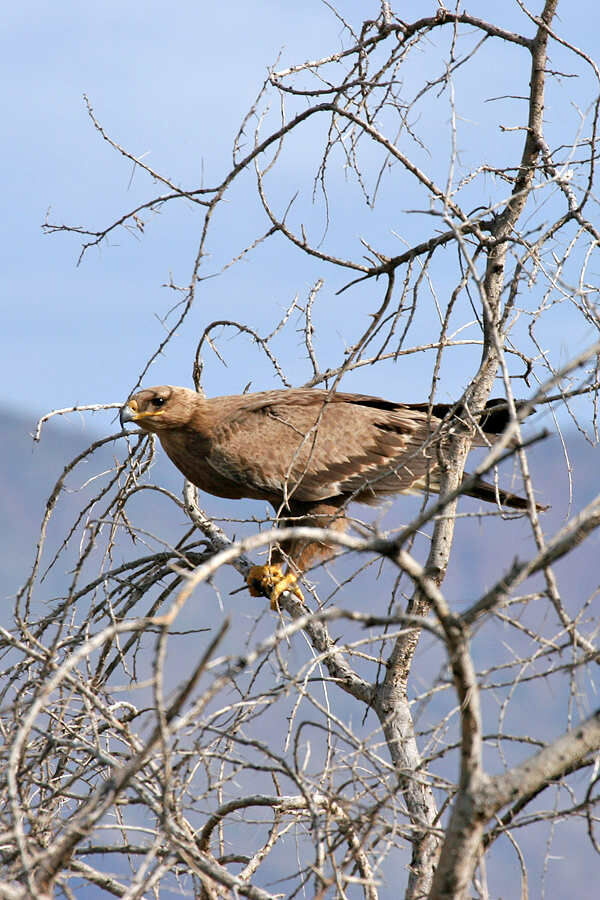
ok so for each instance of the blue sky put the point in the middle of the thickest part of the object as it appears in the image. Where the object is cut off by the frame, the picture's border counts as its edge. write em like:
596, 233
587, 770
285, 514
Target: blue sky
171, 83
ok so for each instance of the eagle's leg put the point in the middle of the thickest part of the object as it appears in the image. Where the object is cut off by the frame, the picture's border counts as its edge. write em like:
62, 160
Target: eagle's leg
301, 555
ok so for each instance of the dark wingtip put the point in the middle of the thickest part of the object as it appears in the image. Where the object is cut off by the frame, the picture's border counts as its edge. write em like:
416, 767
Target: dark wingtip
496, 416
493, 419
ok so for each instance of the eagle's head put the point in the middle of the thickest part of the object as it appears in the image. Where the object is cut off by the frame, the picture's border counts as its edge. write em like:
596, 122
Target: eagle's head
159, 408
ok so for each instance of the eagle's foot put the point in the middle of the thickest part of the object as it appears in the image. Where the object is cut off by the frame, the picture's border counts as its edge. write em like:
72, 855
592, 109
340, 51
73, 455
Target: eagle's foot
271, 582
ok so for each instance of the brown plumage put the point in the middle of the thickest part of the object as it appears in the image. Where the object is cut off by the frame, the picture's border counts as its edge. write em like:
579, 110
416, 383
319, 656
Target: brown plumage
306, 452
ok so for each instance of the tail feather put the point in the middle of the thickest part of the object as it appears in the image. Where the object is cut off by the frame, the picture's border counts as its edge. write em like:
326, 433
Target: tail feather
483, 490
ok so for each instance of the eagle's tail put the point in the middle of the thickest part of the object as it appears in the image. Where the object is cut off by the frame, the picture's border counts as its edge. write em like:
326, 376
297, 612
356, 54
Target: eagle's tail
483, 490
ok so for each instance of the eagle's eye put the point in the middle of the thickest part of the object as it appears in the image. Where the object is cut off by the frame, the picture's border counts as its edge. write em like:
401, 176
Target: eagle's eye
157, 402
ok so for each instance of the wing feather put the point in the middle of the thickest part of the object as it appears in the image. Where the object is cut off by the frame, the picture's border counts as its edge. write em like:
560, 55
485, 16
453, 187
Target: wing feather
298, 444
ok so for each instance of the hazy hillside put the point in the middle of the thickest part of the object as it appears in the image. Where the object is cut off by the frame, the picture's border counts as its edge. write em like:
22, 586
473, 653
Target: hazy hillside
28, 475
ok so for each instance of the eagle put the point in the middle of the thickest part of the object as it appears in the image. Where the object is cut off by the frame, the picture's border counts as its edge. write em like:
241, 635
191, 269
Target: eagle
308, 453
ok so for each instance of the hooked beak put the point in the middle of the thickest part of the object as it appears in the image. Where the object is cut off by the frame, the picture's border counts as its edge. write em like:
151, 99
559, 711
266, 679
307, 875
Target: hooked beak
129, 412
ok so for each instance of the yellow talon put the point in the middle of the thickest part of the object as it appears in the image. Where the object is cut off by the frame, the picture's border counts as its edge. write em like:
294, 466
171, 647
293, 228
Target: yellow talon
271, 581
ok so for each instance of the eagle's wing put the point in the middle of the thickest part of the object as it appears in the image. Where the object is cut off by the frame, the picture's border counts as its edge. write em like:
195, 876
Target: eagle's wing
312, 448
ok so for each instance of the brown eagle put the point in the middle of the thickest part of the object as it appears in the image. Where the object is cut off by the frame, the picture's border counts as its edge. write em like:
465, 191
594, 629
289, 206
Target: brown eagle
308, 453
